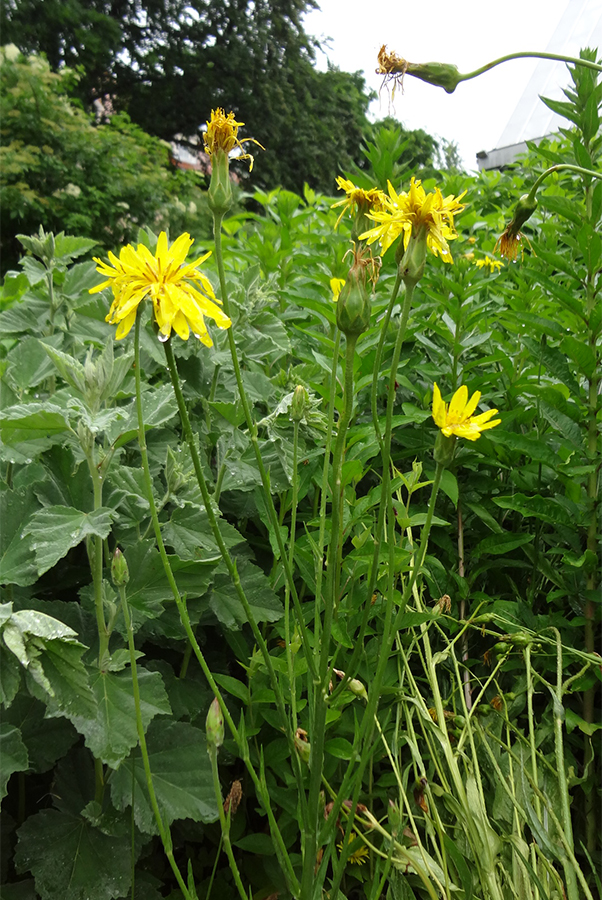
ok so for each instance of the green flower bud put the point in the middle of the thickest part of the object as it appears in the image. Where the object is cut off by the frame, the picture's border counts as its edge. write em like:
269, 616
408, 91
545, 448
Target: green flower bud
214, 726
302, 745
525, 208
119, 569
220, 188
444, 449
300, 403
442, 75
353, 305
411, 262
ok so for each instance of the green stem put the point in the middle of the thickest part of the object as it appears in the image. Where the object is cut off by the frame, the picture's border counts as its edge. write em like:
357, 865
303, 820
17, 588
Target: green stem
559, 168
322, 647
252, 427
224, 822
163, 830
238, 736
290, 661
558, 57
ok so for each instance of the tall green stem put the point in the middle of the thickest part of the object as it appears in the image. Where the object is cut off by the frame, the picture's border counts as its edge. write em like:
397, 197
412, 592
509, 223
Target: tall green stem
224, 822
239, 737
252, 427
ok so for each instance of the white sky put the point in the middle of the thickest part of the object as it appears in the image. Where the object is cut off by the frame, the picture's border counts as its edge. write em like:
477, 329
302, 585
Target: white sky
463, 32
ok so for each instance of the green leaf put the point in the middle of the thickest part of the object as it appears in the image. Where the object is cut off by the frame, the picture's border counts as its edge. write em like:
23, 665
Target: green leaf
158, 406
13, 754
72, 860
17, 561
260, 844
68, 247
581, 353
502, 543
46, 739
544, 508
532, 448
573, 720
31, 421
56, 529
339, 747
449, 486
28, 364
265, 605
554, 361
189, 533
112, 733
182, 779
233, 686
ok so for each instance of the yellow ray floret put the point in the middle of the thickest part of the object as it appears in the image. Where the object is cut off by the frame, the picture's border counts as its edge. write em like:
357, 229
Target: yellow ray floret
181, 295
409, 213
458, 419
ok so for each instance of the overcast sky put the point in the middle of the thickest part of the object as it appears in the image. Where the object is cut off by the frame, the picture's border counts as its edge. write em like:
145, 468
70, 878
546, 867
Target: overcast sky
463, 32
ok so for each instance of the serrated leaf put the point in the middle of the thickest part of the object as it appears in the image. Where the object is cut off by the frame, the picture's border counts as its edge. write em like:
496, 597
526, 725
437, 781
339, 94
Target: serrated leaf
532, 448
65, 686
13, 754
265, 605
189, 533
554, 361
544, 508
72, 860
182, 779
46, 739
112, 733
17, 561
56, 529
158, 407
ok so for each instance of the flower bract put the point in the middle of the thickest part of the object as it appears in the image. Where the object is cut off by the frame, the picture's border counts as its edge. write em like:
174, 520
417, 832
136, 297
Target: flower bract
412, 212
457, 418
222, 134
181, 295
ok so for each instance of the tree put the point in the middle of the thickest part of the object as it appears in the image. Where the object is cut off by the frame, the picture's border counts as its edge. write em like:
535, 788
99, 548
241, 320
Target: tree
63, 171
169, 62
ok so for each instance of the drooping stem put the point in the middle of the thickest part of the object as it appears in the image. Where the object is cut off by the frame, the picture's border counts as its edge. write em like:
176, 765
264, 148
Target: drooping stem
557, 57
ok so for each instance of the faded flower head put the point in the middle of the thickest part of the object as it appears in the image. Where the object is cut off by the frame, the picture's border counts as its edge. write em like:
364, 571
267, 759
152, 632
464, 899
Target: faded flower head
181, 294
457, 419
358, 199
510, 241
415, 213
222, 134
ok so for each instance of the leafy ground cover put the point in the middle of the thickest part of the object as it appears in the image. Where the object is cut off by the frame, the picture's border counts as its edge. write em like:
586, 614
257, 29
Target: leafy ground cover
266, 629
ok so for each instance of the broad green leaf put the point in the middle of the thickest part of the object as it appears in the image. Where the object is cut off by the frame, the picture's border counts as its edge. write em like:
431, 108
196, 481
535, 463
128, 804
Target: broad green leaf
260, 844
581, 353
502, 543
158, 406
181, 771
531, 447
339, 747
233, 686
31, 421
70, 859
112, 733
28, 364
554, 361
265, 605
69, 246
46, 739
17, 561
56, 529
189, 533
449, 486
13, 754
544, 508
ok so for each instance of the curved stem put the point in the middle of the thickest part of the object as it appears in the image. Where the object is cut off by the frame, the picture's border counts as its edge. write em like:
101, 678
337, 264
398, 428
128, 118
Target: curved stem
579, 169
558, 57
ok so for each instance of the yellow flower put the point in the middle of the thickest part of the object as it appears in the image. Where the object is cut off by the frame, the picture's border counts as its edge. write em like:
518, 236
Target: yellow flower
359, 856
222, 134
409, 213
177, 303
492, 264
359, 198
458, 419
336, 286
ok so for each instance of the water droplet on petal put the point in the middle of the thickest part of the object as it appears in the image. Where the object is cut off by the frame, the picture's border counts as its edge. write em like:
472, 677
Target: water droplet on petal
163, 338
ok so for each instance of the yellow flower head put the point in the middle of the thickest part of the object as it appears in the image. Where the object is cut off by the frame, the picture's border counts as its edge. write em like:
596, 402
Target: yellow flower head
458, 419
180, 293
493, 265
358, 199
359, 856
409, 213
222, 134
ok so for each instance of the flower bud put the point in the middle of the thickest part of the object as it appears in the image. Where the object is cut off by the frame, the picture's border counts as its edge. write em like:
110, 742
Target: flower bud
302, 745
353, 305
214, 726
411, 262
220, 188
444, 449
525, 208
442, 75
119, 569
299, 404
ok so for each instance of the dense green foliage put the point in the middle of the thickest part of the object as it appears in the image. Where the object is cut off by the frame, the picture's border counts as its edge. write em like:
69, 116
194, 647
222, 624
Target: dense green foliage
63, 170
487, 725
